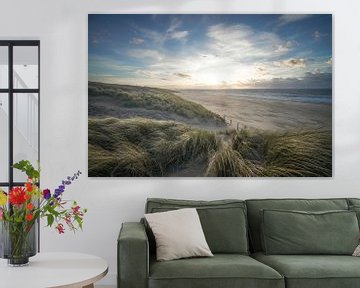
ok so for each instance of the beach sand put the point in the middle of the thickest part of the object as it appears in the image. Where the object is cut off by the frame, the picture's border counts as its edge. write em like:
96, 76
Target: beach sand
264, 114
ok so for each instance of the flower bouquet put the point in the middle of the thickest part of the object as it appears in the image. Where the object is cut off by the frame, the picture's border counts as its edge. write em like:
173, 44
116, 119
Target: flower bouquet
21, 208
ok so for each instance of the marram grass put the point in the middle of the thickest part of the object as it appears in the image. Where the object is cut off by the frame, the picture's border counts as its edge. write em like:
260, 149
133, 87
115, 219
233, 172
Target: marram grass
144, 147
147, 100
230, 163
305, 153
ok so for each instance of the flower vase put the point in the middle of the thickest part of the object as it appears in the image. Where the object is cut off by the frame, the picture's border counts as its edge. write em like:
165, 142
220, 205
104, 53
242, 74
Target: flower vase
18, 242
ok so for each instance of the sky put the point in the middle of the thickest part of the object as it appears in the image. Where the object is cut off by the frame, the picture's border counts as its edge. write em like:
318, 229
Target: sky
194, 51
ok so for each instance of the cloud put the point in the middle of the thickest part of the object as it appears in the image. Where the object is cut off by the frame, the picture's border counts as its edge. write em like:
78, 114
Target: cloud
308, 80
174, 25
289, 18
182, 75
149, 74
262, 70
317, 35
97, 37
178, 35
229, 53
241, 43
172, 33
291, 63
153, 36
286, 46
137, 41
145, 53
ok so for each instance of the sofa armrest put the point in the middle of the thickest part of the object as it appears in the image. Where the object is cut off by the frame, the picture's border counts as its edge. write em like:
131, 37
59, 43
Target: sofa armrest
133, 256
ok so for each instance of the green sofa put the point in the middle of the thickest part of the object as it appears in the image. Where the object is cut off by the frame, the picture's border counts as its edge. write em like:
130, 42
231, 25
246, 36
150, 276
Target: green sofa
233, 231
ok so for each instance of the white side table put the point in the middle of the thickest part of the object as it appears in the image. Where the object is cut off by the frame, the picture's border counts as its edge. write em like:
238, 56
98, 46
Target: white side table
50, 270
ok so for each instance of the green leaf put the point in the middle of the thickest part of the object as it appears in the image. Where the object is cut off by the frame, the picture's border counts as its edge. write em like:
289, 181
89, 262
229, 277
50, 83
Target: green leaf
51, 210
50, 219
79, 221
26, 167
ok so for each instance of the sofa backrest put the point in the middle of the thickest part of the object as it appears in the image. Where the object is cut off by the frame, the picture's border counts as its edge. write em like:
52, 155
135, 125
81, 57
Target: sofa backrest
223, 221
256, 205
353, 202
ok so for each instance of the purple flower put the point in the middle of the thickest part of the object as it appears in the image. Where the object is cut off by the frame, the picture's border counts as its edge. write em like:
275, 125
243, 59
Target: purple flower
46, 194
68, 181
58, 192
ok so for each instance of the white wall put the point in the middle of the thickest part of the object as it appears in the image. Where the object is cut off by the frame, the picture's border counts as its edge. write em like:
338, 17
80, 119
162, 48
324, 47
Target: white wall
61, 25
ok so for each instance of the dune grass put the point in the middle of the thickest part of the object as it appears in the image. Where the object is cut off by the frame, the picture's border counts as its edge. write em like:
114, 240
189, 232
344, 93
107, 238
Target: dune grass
230, 163
305, 153
150, 99
144, 147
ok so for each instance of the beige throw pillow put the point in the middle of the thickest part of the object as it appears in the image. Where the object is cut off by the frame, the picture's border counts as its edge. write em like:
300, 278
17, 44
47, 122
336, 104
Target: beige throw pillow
178, 234
357, 251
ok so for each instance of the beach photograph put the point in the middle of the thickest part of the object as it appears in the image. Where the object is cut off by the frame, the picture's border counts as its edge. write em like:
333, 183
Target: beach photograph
219, 95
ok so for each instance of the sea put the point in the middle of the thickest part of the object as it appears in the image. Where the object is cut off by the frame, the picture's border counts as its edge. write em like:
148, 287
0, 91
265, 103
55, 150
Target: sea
321, 96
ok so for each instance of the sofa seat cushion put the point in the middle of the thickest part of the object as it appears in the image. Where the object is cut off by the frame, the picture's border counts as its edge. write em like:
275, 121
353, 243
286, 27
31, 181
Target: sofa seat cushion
222, 270
313, 271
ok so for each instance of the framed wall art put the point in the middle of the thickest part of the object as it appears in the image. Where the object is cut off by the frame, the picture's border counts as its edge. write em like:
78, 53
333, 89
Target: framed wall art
230, 95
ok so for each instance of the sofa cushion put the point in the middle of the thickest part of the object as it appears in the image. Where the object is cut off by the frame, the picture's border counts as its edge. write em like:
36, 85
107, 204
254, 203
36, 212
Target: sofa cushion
222, 270
297, 232
255, 206
223, 221
353, 201
313, 271
178, 234
356, 209
354, 205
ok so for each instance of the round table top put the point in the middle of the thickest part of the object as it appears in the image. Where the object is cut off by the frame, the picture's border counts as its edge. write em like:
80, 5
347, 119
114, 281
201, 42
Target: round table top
59, 269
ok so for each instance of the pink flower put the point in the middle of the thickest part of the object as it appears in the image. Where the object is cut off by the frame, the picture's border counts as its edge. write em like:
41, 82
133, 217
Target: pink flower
1, 213
68, 219
60, 228
76, 210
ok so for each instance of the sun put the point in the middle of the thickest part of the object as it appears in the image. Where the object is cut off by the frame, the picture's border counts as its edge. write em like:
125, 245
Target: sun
228, 77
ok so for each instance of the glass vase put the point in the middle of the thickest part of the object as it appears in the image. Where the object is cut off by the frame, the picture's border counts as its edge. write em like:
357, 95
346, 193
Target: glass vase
18, 242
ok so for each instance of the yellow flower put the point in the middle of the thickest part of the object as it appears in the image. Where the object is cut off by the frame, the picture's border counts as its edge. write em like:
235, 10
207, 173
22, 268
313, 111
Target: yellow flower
3, 198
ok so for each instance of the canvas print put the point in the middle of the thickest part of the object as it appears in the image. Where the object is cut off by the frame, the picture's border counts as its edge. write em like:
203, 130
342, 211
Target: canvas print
210, 95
